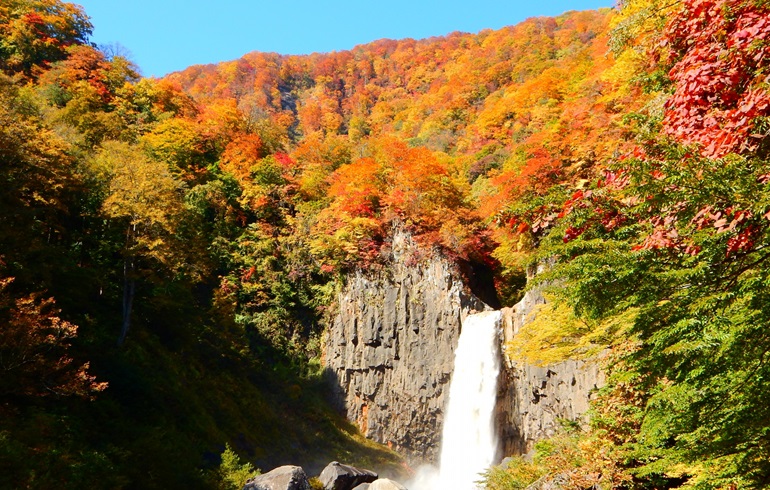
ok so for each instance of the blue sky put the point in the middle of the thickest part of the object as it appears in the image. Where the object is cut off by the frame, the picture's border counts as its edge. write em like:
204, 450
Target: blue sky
169, 35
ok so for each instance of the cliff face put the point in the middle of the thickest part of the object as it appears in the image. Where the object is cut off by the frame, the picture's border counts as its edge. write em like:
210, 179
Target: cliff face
390, 349
532, 399
389, 355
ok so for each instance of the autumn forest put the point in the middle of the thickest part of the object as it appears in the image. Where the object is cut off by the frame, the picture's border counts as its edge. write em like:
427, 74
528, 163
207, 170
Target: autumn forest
170, 248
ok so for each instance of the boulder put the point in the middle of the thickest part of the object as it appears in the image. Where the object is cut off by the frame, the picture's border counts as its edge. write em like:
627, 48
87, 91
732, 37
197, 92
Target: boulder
385, 484
337, 476
281, 478
363, 486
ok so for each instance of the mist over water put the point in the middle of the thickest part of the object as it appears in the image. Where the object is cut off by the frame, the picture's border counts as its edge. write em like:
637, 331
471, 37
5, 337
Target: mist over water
468, 439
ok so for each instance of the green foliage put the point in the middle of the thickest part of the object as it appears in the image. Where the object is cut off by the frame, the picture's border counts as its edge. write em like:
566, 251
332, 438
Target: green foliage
688, 277
111, 194
228, 227
571, 459
234, 473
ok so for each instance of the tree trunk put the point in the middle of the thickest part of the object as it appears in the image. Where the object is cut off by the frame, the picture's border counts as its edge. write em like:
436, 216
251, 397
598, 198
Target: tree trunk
129, 283
129, 287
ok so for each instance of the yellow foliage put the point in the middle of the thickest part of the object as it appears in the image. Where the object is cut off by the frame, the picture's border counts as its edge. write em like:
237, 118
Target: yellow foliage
175, 141
639, 24
553, 334
142, 192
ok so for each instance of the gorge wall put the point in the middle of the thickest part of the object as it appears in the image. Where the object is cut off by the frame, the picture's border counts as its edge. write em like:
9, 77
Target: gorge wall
389, 355
389, 351
533, 399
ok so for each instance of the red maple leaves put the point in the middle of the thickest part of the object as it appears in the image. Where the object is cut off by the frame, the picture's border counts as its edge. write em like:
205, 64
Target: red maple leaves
721, 50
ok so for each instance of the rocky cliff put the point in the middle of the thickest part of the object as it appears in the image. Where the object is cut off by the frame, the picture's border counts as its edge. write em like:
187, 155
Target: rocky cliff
389, 354
533, 399
390, 349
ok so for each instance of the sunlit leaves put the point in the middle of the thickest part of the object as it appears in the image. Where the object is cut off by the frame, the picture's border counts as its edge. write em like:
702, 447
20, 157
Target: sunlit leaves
241, 154
34, 349
721, 55
179, 143
36, 33
141, 192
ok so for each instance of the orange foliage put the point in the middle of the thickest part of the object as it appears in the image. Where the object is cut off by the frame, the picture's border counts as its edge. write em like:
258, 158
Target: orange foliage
36, 33
83, 64
357, 188
241, 153
540, 171
220, 121
441, 126
34, 344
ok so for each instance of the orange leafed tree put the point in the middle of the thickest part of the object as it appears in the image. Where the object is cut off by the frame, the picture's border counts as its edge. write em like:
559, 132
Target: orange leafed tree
356, 188
34, 345
242, 153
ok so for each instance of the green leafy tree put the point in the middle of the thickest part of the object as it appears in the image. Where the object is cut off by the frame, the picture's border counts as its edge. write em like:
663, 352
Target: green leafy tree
695, 270
233, 473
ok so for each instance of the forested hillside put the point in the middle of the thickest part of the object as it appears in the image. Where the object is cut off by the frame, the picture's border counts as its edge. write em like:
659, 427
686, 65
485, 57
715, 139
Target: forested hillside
170, 248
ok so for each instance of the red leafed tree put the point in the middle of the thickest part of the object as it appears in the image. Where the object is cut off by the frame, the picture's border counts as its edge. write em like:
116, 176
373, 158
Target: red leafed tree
34, 344
83, 64
36, 33
721, 54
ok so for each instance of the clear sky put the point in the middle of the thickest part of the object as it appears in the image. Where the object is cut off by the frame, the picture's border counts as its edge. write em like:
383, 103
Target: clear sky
169, 35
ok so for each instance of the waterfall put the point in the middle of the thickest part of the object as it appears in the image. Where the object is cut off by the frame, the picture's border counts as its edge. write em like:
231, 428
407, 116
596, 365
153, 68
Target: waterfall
468, 439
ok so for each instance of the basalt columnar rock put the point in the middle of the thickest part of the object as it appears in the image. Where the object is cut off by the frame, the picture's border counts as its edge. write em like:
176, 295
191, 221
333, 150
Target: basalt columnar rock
389, 356
533, 399
389, 351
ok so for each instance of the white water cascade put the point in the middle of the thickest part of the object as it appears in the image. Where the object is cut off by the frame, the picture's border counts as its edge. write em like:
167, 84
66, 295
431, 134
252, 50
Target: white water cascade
468, 439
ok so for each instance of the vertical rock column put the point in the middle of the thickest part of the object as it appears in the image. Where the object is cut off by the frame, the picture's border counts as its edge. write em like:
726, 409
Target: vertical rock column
389, 352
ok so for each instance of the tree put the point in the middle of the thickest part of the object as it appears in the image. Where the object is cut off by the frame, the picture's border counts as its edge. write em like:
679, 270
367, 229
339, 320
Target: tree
679, 264
241, 154
232, 472
663, 256
34, 349
39, 191
720, 51
36, 33
179, 143
142, 195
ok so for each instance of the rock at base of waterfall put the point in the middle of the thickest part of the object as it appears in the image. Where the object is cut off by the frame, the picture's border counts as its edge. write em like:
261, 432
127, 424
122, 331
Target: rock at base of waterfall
385, 484
281, 478
337, 476
363, 486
